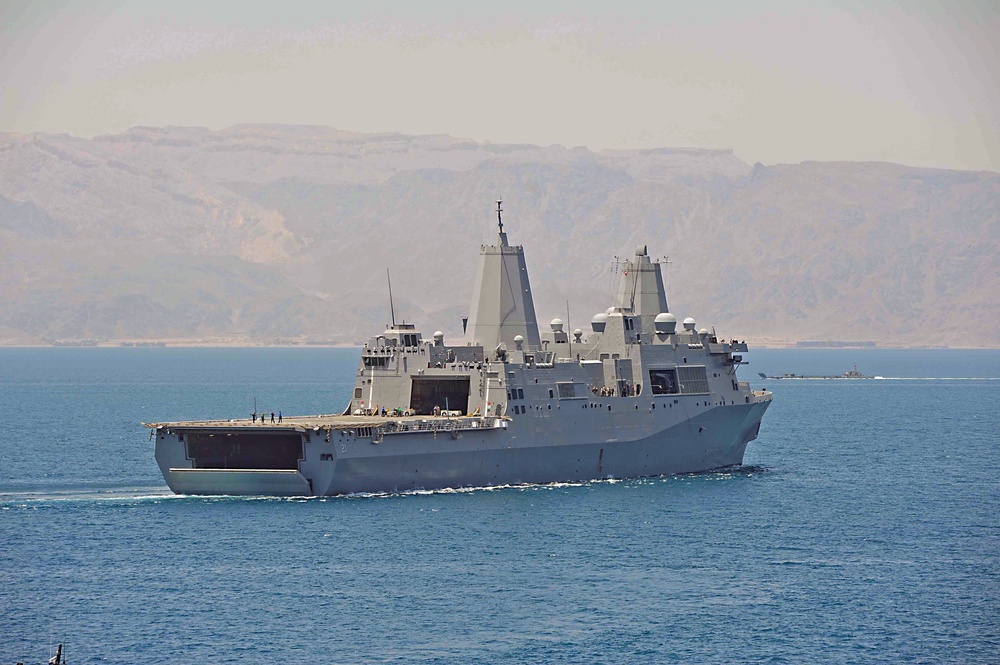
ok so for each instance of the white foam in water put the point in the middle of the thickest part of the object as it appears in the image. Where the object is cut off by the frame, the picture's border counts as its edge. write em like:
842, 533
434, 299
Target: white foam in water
936, 378
137, 494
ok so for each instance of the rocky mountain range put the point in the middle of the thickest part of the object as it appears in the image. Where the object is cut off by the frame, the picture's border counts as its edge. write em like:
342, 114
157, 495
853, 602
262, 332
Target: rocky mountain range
284, 233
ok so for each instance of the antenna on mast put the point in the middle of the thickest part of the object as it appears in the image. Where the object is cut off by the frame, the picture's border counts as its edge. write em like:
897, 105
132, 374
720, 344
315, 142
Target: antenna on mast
392, 310
663, 261
499, 219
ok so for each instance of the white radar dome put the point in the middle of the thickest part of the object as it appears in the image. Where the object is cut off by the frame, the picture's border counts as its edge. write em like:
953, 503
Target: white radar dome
689, 324
665, 323
599, 322
557, 325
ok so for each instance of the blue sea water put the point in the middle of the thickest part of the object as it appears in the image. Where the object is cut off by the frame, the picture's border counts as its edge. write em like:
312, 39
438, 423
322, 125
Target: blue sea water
864, 527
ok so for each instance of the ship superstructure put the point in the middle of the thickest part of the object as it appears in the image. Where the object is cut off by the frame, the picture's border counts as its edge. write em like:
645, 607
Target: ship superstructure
637, 395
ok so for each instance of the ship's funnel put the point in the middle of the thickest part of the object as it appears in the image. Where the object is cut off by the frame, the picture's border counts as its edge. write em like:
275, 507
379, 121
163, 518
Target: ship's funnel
502, 307
641, 290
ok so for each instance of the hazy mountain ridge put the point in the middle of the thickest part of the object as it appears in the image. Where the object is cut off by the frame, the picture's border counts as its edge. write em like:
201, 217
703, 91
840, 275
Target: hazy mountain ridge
283, 231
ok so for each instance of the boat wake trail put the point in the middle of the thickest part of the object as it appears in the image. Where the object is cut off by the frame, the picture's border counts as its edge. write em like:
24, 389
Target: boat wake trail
157, 494
719, 474
134, 494
937, 378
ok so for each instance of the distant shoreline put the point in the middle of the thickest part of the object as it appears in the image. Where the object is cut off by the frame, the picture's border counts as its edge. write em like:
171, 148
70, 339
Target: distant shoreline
203, 344
178, 345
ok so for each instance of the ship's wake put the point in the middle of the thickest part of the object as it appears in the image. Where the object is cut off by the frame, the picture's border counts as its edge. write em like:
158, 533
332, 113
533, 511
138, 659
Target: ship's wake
129, 494
157, 495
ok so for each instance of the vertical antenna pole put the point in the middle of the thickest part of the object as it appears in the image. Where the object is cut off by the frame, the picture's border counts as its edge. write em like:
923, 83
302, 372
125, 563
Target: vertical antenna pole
569, 332
392, 310
486, 399
635, 284
371, 387
499, 219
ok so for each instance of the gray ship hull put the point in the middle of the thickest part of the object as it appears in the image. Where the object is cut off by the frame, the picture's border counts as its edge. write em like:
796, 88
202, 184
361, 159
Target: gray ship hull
530, 450
679, 449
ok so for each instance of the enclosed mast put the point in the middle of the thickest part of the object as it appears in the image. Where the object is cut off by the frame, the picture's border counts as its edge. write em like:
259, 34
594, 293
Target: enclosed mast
502, 307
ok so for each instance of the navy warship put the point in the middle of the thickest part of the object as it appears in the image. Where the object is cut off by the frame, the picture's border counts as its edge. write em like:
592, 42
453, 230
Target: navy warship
636, 396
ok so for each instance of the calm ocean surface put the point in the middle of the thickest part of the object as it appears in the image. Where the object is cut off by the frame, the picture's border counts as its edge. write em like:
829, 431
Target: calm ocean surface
865, 527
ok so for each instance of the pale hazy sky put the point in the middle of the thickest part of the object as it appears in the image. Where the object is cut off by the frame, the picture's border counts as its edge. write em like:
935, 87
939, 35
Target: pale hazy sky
910, 82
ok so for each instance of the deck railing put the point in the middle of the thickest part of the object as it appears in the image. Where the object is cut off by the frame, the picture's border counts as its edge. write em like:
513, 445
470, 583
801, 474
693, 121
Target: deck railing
439, 425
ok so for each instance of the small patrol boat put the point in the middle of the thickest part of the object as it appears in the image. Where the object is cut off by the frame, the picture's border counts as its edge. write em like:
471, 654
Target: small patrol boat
849, 374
